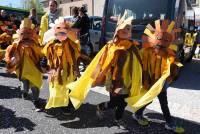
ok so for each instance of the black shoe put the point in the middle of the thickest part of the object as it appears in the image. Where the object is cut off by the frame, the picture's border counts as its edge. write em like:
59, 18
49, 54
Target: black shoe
38, 107
25, 96
66, 111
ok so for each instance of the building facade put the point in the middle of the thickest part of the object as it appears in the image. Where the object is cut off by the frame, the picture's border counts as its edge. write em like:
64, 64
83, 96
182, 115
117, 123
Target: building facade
196, 7
94, 7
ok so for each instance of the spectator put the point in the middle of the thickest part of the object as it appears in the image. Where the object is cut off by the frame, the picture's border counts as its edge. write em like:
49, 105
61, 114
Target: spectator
83, 23
49, 18
14, 22
33, 16
4, 15
75, 14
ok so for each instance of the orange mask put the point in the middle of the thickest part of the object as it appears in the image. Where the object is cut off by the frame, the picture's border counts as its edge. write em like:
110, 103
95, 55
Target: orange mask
60, 30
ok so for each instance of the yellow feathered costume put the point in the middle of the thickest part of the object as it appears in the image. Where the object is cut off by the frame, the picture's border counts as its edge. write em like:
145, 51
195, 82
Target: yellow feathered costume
139, 95
5, 39
62, 60
156, 66
62, 55
23, 55
100, 66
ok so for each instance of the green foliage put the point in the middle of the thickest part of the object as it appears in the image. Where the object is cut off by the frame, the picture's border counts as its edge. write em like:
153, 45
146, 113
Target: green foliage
28, 4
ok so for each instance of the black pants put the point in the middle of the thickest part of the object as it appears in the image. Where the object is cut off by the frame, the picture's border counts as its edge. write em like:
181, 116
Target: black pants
162, 97
68, 108
117, 102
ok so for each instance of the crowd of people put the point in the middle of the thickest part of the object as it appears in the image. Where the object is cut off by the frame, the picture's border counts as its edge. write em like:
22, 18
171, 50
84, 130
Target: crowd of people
132, 77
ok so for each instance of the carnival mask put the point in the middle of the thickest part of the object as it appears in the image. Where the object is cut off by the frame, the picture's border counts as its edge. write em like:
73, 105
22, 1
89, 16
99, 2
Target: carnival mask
60, 30
160, 37
125, 33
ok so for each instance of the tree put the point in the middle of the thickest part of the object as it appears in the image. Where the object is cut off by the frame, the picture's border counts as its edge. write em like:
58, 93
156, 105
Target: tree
28, 4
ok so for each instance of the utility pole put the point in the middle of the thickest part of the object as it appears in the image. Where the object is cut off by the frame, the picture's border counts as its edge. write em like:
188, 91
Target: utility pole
92, 7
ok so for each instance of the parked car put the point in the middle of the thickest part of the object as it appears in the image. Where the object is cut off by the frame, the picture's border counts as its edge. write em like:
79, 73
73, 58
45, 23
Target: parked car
95, 32
68, 18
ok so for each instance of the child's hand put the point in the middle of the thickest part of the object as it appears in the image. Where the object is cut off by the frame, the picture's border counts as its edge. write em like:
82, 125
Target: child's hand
13, 61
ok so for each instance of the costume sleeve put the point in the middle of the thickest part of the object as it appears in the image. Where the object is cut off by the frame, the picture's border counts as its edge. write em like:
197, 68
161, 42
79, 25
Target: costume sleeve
43, 27
8, 53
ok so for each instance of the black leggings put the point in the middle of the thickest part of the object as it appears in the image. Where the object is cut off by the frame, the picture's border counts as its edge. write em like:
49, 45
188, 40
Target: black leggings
162, 97
117, 102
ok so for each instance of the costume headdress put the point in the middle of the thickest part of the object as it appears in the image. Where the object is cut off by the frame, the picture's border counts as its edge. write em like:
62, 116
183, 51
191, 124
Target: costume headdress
27, 31
125, 20
60, 30
162, 35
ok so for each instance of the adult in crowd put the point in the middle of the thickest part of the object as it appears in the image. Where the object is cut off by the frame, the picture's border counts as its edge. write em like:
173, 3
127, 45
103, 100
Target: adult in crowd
49, 18
83, 23
33, 16
14, 22
4, 15
75, 14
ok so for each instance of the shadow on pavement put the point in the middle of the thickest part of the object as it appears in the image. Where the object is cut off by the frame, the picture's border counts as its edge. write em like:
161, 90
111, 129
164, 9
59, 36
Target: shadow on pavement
85, 117
8, 119
8, 75
189, 76
7, 92
2, 63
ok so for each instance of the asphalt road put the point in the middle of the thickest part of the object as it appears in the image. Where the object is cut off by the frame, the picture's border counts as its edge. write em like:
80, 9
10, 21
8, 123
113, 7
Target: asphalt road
17, 115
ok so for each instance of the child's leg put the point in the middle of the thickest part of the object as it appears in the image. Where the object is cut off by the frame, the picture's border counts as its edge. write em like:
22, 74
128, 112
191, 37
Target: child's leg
35, 97
36, 93
109, 104
119, 112
106, 106
170, 124
121, 105
24, 88
68, 110
162, 97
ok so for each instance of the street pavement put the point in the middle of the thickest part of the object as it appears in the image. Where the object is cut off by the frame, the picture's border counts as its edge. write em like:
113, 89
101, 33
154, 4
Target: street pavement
18, 115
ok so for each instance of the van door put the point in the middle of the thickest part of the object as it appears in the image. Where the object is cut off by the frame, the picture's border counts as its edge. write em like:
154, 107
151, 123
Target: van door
95, 33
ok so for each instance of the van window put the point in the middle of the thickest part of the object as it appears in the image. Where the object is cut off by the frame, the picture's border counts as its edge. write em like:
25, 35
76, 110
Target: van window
141, 9
97, 24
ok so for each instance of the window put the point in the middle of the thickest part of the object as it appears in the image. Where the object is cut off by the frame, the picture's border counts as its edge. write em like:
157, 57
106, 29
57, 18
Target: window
141, 14
193, 1
97, 24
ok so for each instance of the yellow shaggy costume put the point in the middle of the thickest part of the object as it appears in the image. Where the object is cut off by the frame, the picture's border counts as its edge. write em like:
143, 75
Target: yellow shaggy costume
156, 66
23, 55
62, 58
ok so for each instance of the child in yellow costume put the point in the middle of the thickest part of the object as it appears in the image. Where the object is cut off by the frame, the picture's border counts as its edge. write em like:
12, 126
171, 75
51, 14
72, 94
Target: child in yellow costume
62, 54
23, 58
118, 66
158, 56
5, 39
